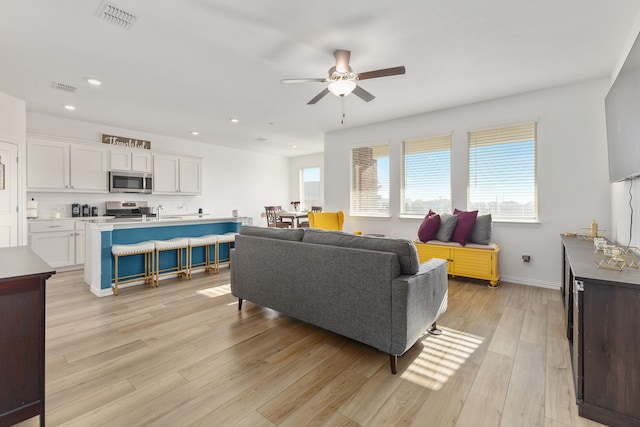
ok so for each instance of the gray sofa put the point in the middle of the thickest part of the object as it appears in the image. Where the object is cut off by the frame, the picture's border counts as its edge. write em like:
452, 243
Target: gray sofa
370, 289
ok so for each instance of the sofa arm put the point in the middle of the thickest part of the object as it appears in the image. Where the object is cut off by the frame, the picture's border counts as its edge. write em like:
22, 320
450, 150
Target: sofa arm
417, 301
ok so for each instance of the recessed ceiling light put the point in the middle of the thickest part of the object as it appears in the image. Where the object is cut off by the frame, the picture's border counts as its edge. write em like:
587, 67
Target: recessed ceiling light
69, 107
294, 146
94, 82
234, 120
195, 133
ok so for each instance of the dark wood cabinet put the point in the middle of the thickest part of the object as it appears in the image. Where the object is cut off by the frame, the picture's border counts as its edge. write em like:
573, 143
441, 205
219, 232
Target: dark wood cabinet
603, 318
22, 324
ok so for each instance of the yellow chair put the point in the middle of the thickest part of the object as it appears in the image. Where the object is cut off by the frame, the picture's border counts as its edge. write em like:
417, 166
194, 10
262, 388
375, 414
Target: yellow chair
326, 220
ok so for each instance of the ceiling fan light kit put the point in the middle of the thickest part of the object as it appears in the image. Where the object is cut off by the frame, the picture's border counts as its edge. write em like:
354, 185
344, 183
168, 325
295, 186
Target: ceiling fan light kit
342, 87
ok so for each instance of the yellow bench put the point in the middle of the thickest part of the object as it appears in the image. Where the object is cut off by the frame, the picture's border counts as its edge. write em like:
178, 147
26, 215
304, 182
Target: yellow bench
473, 260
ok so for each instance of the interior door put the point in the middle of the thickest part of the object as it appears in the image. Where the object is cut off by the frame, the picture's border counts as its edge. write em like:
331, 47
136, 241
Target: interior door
8, 194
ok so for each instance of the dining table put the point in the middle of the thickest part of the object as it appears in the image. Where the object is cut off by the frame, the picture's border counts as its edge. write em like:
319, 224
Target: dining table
295, 216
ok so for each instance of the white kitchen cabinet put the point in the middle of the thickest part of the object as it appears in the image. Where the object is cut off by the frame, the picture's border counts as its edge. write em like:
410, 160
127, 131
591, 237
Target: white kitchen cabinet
47, 165
174, 174
190, 175
130, 161
79, 242
59, 242
61, 166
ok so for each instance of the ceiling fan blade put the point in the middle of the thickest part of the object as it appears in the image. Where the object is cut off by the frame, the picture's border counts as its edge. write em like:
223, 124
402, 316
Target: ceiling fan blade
381, 73
321, 80
366, 96
342, 60
318, 97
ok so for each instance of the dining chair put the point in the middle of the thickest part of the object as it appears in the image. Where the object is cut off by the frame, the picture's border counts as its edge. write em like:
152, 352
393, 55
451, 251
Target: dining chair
273, 220
305, 224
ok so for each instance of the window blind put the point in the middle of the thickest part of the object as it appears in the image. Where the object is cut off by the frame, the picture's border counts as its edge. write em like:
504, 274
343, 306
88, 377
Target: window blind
426, 175
370, 180
502, 172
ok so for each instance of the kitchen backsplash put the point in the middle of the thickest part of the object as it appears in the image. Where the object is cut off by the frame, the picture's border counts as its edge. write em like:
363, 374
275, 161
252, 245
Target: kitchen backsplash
50, 204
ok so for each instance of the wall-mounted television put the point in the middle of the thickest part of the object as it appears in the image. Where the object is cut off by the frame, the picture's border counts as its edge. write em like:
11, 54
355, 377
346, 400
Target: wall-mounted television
622, 106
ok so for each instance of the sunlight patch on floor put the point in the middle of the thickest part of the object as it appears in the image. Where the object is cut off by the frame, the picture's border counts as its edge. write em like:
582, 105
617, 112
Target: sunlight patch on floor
441, 357
216, 291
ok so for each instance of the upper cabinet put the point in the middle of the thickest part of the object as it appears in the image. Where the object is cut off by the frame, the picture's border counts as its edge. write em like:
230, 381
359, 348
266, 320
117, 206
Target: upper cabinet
174, 174
131, 161
60, 166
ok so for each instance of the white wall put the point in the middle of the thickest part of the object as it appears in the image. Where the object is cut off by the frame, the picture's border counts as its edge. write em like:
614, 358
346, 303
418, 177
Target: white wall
572, 169
232, 179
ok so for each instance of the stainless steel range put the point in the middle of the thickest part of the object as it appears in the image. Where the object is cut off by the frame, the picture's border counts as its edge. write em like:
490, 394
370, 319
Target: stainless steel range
129, 210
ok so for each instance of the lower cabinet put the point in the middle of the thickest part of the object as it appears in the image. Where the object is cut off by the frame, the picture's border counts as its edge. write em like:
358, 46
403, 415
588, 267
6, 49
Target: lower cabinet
603, 325
59, 242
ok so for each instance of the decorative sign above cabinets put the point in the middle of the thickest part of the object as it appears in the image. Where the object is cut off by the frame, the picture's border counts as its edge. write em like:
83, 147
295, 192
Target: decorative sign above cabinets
125, 142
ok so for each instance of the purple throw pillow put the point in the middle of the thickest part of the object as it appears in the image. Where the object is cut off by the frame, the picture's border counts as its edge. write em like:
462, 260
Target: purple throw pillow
429, 227
464, 227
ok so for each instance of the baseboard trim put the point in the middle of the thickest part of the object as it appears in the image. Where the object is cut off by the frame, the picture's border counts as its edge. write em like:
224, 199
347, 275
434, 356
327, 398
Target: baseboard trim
530, 282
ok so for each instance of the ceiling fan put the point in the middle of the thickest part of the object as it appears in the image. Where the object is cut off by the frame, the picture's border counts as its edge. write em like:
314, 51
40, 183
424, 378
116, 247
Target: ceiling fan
342, 80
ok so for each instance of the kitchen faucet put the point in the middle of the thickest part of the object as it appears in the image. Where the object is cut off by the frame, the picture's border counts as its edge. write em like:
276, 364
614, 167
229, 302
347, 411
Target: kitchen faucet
159, 209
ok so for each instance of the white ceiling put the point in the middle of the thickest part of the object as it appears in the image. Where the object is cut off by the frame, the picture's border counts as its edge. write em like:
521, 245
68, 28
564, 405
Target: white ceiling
193, 64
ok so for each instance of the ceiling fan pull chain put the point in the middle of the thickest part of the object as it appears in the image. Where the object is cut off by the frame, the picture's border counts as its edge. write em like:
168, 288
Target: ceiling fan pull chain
343, 115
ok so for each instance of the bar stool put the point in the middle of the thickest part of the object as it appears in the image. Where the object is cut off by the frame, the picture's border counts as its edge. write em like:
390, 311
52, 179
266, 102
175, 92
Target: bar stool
207, 241
177, 244
228, 239
142, 248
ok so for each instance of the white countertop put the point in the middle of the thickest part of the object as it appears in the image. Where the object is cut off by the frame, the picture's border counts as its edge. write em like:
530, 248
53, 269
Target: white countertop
75, 218
164, 221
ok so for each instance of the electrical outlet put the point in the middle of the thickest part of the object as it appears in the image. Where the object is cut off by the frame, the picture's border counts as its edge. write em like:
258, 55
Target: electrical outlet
526, 258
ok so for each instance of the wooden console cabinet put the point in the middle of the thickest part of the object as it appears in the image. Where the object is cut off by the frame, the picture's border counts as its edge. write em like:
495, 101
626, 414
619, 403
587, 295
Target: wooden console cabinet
22, 321
602, 316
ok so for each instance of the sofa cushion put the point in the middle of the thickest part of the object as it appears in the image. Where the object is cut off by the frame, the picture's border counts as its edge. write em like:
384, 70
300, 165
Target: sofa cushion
294, 234
464, 227
481, 233
404, 248
447, 225
429, 227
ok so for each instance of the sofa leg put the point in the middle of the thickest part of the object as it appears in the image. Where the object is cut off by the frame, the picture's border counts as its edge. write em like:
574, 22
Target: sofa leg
433, 330
394, 363
239, 304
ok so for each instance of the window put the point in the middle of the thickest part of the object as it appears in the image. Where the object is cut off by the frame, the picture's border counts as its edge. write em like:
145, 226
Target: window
502, 172
370, 180
310, 187
426, 175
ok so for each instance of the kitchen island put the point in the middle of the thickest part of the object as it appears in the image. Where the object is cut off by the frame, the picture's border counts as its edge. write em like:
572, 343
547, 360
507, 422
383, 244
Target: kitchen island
101, 236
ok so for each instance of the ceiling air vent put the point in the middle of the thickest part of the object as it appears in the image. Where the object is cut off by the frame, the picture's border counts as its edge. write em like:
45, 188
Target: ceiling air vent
62, 86
116, 15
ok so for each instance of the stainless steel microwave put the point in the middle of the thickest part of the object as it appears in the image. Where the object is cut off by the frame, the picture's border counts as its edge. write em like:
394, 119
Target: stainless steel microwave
130, 182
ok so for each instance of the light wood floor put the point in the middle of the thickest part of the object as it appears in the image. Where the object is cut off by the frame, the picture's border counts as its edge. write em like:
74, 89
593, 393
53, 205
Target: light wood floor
182, 355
